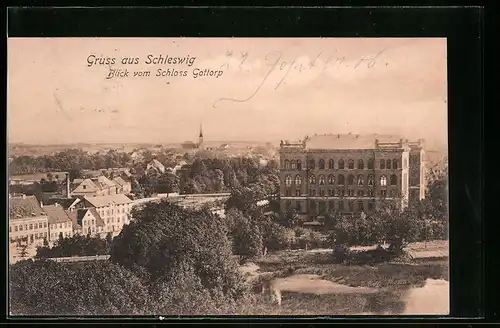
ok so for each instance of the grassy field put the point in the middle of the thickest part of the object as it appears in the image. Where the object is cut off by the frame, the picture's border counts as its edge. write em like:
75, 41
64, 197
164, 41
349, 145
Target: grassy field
393, 282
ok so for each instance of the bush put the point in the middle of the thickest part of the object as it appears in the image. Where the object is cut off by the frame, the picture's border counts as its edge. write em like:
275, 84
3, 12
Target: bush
164, 236
92, 288
279, 237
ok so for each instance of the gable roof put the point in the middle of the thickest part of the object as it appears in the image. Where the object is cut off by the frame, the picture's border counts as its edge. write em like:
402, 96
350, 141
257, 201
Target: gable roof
56, 214
73, 216
120, 181
156, 163
100, 201
24, 207
105, 181
65, 203
80, 214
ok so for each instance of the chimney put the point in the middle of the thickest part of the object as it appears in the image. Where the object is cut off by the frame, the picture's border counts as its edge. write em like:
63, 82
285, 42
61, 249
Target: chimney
67, 186
41, 204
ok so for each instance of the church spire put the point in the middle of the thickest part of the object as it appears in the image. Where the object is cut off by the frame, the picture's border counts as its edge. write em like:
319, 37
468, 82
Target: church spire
200, 138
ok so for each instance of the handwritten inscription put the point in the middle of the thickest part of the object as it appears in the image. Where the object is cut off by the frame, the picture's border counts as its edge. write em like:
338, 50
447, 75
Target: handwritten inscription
276, 63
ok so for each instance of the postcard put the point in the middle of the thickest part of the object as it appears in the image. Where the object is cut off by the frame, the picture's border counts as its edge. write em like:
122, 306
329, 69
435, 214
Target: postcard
228, 176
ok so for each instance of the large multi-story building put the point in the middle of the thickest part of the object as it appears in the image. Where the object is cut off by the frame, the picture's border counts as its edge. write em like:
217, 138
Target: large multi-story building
349, 173
114, 211
27, 220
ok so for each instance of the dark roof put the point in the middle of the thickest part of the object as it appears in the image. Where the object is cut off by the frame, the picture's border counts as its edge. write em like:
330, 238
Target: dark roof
99, 220
64, 202
56, 214
82, 212
24, 206
73, 215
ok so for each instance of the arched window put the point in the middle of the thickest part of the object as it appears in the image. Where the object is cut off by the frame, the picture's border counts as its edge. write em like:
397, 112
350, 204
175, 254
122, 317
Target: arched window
382, 163
293, 164
361, 164
341, 180
350, 165
298, 180
383, 180
370, 164
394, 180
312, 179
321, 179
360, 180
331, 164
321, 164
388, 164
311, 164
287, 164
288, 180
299, 164
394, 164
341, 164
350, 179
331, 179
370, 180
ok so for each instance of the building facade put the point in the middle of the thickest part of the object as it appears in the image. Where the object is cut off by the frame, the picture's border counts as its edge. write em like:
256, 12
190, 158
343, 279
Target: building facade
349, 173
113, 210
27, 220
60, 223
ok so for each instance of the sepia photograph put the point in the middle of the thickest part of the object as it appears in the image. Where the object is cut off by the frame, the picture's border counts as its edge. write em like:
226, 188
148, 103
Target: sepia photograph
173, 177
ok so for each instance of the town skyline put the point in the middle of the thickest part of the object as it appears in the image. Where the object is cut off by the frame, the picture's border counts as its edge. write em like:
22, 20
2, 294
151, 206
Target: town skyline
384, 86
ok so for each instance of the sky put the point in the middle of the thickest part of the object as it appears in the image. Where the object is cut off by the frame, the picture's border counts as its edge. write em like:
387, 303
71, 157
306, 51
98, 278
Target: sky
267, 89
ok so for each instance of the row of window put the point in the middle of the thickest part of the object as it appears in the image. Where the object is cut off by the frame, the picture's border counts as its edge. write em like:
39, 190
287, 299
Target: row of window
55, 235
112, 220
343, 193
32, 237
340, 205
111, 211
360, 180
61, 225
311, 164
31, 226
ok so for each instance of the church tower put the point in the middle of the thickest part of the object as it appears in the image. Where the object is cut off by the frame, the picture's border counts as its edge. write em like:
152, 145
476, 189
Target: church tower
200, 138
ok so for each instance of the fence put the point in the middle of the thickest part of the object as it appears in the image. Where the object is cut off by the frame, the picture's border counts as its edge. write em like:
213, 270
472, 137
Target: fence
80, 258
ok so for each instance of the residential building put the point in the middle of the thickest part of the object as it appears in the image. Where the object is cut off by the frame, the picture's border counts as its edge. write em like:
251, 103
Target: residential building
137, 156
72, 213
60, 223
91, 222
123, 187
156, 165
93, 187
27, 219
114, 210
350, 173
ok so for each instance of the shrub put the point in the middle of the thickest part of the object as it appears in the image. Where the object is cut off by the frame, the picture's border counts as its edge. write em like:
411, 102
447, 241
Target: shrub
95, 288
164, 236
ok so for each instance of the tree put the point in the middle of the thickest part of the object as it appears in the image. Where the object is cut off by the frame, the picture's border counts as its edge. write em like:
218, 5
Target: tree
167, 183
165, 235
89, 288
291, 218
247, 238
